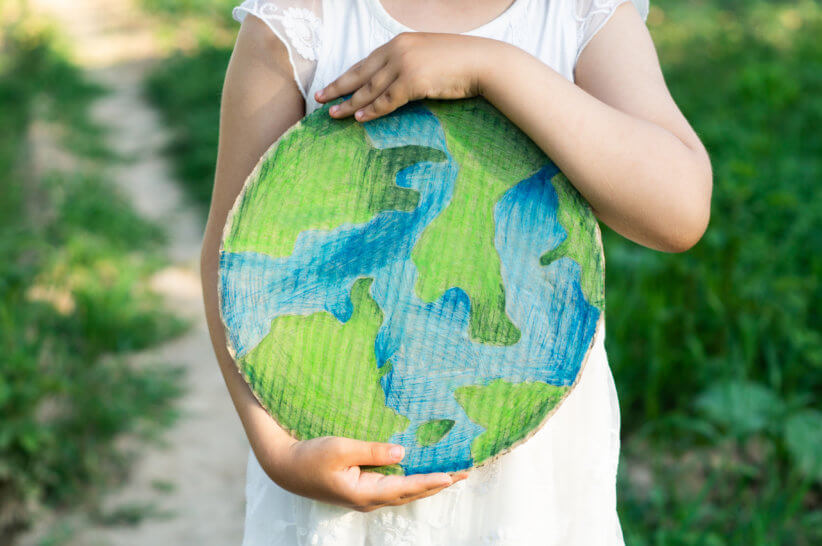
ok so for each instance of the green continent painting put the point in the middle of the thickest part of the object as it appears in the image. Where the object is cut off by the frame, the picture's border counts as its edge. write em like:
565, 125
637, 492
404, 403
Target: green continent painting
427, 278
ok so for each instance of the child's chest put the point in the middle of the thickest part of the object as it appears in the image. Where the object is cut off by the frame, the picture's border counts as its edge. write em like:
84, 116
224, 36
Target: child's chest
352, 29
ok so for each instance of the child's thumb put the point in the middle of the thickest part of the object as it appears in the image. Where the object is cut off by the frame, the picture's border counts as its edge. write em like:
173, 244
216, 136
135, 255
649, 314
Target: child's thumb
372, 453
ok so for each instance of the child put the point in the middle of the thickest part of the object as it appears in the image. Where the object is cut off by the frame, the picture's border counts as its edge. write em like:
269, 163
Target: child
581, 78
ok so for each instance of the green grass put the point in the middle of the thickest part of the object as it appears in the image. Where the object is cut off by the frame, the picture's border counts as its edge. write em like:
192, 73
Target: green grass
717, 352
213, 9
74, 297
186, 89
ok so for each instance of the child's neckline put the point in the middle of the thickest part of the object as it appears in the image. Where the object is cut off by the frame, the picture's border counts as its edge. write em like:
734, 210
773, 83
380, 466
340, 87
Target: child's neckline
381, 14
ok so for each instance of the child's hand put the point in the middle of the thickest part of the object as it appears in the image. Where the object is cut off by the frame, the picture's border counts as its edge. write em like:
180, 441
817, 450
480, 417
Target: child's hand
414, 65
327, 469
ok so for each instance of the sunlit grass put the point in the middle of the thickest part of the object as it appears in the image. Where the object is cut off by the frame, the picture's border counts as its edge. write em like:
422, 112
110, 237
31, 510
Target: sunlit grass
74, 297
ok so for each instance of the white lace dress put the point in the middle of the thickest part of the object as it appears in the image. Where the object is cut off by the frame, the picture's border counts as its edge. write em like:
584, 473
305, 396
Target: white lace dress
557, 488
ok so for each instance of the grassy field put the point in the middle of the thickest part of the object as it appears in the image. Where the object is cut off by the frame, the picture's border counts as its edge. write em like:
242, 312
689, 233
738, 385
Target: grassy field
717, 352
74, 296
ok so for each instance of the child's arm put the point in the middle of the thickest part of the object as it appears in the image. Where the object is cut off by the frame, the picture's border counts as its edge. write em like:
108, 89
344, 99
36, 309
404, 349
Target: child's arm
260, 101
617, 134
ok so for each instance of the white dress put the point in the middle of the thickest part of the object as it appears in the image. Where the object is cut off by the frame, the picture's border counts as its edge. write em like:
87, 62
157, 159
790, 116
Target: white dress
557, 488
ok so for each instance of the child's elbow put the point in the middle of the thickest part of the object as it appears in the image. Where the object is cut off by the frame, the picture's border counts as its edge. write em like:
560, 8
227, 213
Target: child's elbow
687, 234
694, 214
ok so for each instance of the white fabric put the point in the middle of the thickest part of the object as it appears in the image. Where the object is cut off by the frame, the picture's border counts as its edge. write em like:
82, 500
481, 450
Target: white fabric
324, 38
558, 487
591, 15
297, 23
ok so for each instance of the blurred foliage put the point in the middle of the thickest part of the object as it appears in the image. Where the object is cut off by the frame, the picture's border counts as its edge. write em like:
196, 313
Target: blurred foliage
717, 352
186, 88
73, 294
744, 303
215, 9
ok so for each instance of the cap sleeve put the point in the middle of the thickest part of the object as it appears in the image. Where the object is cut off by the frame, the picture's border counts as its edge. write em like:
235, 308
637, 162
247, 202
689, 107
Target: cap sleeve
591, 15
298, 25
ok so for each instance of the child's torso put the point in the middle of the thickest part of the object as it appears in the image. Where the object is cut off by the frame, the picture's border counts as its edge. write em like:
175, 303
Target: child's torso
352, 29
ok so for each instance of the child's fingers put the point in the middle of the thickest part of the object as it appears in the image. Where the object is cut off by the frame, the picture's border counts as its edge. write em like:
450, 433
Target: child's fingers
394, 96
426, 493
352, 79
387, 490
350, 452
372, 88
364, 490
405, 500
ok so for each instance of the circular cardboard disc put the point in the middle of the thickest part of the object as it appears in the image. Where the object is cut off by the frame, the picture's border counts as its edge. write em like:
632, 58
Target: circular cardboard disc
427, 278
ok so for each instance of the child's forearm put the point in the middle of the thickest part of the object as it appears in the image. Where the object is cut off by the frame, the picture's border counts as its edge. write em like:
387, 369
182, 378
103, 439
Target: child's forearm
259, 102
640, 178
618, 135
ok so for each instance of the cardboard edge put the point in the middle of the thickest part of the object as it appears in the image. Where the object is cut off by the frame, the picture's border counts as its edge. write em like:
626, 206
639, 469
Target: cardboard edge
599, 330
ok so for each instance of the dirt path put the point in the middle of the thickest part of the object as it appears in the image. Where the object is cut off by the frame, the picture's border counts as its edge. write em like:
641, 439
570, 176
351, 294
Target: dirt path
197, 478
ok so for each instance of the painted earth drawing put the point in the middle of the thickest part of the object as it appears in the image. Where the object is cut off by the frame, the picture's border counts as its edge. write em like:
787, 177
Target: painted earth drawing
428, 278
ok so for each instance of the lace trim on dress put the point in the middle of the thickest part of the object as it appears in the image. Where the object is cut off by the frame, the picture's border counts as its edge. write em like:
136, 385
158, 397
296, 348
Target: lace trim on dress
391, 528
297, 24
